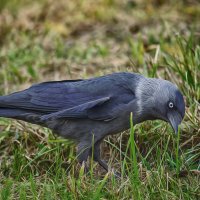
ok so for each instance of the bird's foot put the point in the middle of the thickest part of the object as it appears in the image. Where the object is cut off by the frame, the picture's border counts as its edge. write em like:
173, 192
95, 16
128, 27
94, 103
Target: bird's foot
103, 164
117, 174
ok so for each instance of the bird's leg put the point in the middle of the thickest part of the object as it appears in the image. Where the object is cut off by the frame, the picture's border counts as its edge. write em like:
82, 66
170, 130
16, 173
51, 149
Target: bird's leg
82, 155
97, 157
102, 163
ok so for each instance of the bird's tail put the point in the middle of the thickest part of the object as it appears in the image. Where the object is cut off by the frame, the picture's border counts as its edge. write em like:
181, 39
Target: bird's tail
7, 111
10, 112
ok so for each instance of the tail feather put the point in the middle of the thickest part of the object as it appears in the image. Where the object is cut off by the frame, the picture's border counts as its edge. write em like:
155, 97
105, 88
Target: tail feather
11, 99
21, 115
9, 109
10, 113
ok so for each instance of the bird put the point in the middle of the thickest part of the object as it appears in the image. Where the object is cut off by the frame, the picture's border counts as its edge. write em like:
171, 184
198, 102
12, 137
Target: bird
88, 110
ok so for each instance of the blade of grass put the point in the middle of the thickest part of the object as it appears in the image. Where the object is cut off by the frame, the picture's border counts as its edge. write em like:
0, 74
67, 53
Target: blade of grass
177, 153
133, 151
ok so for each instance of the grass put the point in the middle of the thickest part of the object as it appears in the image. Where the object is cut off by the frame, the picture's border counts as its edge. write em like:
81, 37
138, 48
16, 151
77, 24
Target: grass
46, 40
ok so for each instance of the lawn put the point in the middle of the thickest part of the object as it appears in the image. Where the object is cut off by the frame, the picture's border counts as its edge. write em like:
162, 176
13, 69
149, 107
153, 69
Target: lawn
45, 40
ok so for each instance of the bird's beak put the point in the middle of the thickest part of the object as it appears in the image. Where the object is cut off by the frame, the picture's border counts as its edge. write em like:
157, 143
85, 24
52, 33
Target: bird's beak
174, 119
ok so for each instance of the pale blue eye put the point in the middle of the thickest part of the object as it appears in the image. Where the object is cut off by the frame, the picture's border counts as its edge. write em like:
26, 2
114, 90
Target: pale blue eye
171, 105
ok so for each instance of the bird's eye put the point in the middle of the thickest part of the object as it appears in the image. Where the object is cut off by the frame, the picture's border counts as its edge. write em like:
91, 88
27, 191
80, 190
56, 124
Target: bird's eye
171, 105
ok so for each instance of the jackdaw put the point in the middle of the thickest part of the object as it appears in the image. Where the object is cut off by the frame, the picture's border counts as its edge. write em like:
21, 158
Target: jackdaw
88, 110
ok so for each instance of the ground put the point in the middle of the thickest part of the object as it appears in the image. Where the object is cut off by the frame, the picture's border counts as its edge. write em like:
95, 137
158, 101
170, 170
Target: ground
54, 40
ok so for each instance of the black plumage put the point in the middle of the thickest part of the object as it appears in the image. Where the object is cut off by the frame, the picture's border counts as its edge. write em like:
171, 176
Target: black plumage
94, 108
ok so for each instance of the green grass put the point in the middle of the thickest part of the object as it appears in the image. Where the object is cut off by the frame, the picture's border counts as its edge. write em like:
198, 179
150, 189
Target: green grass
46, 40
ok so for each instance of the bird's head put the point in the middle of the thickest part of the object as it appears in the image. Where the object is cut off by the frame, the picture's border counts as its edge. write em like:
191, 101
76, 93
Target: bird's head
160, 99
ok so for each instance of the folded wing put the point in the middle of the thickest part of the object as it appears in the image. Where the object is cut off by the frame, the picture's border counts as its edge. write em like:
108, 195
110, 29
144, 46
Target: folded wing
96, 99
80, 111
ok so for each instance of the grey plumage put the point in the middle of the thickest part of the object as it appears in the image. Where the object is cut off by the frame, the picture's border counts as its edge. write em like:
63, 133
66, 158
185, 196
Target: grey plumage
94, 108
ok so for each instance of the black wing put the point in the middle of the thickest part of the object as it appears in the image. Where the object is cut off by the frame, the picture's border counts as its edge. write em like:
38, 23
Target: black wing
73, 99
80, 111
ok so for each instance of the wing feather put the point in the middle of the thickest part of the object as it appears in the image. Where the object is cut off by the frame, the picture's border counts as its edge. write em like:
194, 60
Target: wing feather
79, 111
74, 99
